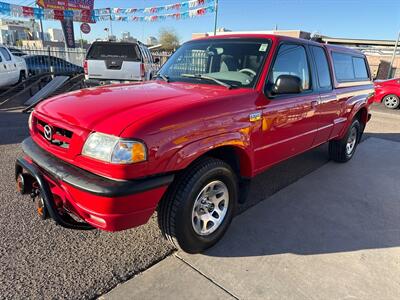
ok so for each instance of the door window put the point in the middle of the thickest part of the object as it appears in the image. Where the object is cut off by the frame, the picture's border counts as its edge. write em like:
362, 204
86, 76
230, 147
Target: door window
321, 61
360, 69
292, 60
5, 54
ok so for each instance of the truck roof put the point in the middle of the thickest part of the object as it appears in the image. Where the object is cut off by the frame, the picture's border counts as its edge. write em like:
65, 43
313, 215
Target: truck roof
278, 38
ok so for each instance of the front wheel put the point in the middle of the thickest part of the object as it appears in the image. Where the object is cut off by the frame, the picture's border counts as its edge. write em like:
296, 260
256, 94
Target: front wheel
391, 101
199, 207
343, 150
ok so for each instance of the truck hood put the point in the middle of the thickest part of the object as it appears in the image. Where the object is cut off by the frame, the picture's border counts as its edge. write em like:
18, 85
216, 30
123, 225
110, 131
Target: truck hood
110, 109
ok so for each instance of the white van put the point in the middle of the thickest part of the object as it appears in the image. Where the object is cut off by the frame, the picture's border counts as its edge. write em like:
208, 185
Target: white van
108, 61
12, 69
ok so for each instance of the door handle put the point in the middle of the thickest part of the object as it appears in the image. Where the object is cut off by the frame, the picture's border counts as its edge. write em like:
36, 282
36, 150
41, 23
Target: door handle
314, 103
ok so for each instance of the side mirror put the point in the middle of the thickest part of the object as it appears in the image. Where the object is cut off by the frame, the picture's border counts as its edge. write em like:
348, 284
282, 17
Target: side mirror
287, 84
157, 60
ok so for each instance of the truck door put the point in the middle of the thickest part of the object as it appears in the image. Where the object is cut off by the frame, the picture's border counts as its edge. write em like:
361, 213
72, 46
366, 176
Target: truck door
11, 66
3, 72
329, 109
288, 120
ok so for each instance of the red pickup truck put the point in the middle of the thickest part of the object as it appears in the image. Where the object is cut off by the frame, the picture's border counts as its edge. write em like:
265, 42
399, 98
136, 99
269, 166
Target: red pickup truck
220, 111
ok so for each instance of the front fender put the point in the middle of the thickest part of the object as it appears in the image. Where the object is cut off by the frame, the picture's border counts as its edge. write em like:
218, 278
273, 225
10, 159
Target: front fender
239, 141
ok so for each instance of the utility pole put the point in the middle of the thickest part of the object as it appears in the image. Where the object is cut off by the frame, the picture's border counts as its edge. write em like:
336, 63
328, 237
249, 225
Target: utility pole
81, 38
41, 28
216, 16
111, 31
393, 57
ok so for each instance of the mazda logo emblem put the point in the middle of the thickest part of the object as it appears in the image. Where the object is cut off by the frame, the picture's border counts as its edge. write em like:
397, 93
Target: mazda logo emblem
48, 132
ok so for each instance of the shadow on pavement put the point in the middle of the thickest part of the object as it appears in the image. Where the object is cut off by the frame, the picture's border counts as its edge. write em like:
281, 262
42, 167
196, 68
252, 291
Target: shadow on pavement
13, 127
387, 136
337, 208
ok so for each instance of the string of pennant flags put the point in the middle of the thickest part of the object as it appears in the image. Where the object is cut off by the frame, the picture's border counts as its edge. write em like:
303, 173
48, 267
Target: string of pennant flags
182, 10
153, 18
183, 6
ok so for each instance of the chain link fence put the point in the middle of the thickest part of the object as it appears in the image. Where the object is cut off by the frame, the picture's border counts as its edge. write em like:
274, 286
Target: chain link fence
64, 61
51, 60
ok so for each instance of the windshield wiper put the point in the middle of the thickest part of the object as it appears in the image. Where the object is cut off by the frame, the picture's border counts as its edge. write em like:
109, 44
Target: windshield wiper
163, 77
201, 76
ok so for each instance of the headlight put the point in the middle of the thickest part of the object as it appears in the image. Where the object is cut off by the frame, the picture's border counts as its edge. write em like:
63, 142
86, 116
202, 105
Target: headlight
113, 149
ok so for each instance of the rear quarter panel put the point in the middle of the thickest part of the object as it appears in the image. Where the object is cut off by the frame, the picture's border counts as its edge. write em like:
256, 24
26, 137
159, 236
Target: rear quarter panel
352, 99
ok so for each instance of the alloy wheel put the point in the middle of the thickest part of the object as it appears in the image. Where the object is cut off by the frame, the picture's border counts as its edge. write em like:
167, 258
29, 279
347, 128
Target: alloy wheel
391, 101
351, 141
210, 208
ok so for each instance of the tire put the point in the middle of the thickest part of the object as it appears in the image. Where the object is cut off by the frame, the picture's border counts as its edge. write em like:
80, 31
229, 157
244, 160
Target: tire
22, 77
181, 212
343, 150
391, 101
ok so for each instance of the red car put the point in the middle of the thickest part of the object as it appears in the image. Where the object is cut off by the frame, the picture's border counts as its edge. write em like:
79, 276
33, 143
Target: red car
388, 92
220, 111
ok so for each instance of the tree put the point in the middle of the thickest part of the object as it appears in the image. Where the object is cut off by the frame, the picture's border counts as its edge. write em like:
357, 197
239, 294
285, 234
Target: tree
169, 39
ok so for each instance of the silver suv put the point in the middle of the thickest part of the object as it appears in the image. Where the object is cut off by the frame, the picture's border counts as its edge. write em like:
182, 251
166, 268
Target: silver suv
108, 61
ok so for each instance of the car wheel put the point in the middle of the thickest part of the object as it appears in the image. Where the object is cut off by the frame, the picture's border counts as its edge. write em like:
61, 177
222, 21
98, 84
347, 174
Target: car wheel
391, 101
22, 77
343, 150
199, 206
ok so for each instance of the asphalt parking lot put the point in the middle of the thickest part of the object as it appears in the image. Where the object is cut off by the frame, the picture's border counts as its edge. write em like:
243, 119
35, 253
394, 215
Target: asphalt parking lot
40, 260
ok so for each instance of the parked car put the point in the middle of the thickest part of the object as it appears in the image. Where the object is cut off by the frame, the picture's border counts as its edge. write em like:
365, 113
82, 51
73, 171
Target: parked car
38, 64
12, 69
108, 61
221, 110
388, 92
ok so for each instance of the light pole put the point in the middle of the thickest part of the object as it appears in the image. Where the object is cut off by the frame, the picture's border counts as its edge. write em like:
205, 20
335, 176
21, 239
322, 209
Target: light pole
393, 57
111, 31
216, 16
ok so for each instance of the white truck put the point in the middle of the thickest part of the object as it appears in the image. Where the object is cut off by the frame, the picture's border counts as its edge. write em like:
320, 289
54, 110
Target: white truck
109, 61
12, 68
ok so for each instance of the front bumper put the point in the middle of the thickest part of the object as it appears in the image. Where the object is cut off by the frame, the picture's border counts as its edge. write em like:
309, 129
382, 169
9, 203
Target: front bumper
101, 202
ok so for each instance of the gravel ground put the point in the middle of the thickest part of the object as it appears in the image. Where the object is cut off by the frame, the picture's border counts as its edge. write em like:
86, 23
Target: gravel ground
39, 260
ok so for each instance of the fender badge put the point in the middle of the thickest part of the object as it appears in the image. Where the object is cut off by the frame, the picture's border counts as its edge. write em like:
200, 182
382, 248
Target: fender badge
255, 116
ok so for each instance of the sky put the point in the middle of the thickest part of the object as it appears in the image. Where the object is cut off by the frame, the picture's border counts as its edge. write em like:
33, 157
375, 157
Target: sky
379, 19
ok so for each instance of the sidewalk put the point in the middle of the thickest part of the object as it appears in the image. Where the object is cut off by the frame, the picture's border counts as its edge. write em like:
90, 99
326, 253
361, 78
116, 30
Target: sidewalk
334, 234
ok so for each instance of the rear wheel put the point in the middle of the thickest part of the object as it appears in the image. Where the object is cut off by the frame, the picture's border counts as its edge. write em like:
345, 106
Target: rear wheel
22, 76
199, 207
391, 101
343, 150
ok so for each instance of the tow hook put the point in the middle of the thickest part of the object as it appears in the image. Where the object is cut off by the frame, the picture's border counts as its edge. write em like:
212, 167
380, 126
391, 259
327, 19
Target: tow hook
39, 202
24, 183
40, 192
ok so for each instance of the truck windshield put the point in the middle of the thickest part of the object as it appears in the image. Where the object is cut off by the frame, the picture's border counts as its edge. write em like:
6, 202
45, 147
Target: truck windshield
112, 50
236, 62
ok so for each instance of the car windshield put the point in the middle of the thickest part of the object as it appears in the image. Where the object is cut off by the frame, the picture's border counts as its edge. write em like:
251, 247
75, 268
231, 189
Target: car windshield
236, 62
